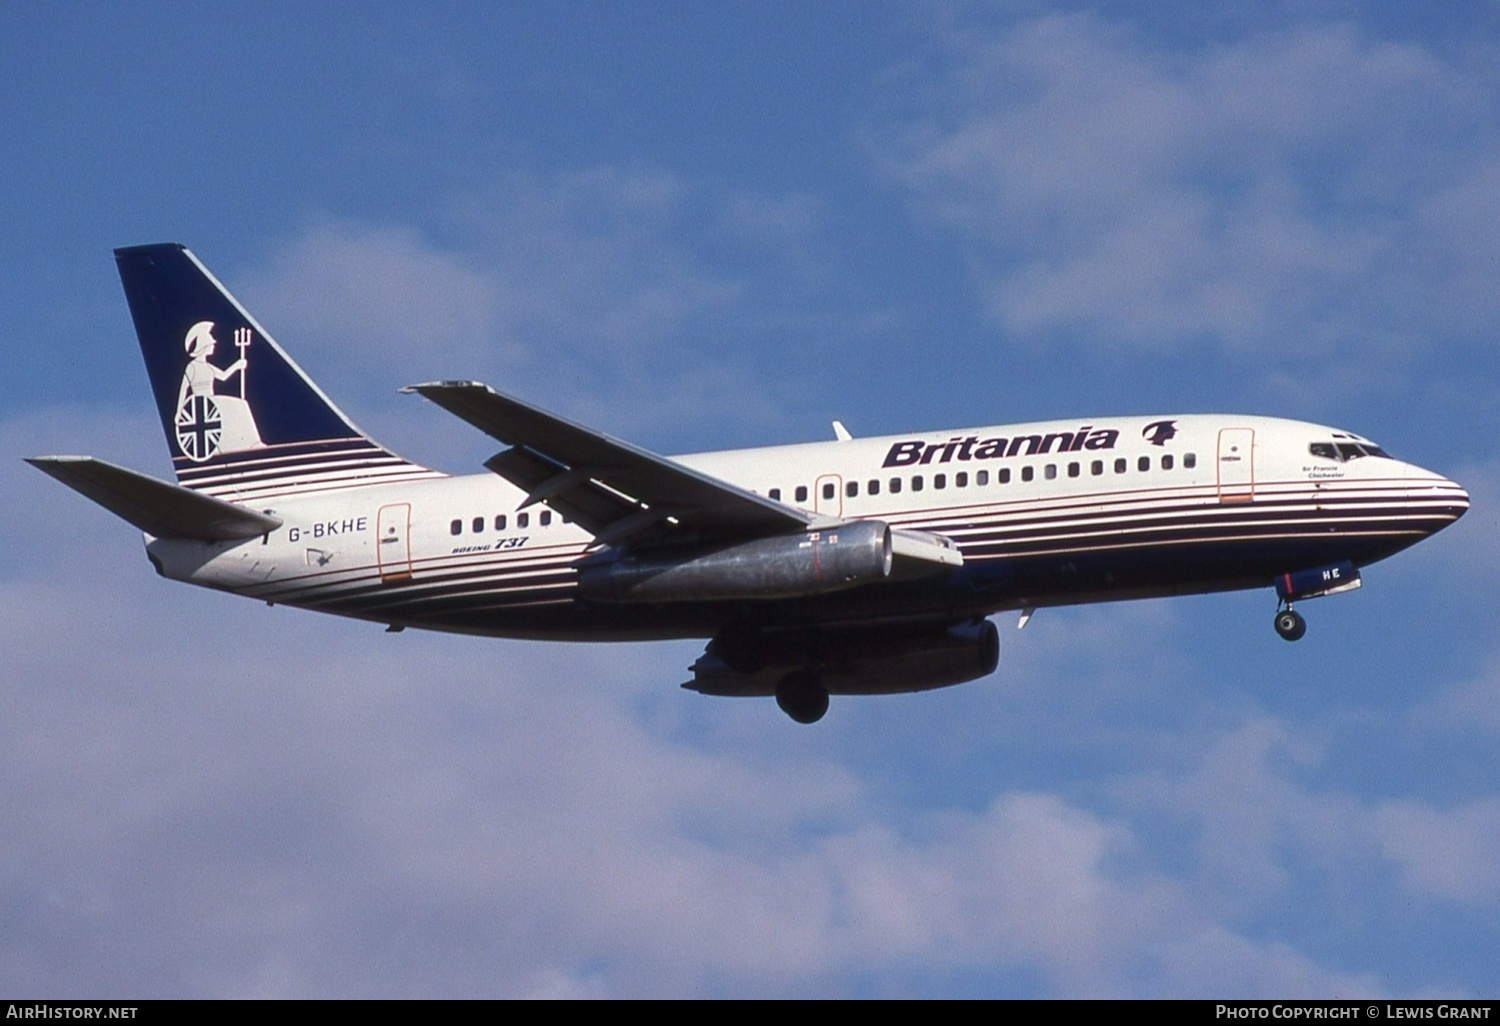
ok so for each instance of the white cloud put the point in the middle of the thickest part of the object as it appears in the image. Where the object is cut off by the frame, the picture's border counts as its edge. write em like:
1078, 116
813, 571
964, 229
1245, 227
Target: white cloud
384, 300
1473, 705
1452, 855
1268, 833
589, 292
1299, 192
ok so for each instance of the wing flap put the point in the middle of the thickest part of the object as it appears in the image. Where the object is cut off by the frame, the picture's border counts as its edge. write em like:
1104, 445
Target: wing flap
156, 507
576, 498
603, 482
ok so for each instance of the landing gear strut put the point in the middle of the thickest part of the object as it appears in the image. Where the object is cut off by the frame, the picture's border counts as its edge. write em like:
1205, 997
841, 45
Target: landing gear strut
802, 696
1289, 624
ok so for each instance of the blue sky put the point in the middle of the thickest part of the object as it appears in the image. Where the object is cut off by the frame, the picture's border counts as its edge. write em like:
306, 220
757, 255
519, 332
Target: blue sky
715, 225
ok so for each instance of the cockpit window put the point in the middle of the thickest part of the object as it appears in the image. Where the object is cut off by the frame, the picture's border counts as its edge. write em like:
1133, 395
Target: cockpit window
1343, 452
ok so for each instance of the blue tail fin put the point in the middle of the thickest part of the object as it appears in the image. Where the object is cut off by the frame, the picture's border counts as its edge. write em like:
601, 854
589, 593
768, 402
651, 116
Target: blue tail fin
243, 422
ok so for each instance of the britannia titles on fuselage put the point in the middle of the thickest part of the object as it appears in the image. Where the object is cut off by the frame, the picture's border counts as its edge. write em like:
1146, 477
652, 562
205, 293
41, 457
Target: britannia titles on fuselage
972, 447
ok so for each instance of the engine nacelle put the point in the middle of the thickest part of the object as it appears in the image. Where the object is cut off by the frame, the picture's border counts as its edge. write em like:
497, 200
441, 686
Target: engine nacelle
890, 659
1323, 580
787, 566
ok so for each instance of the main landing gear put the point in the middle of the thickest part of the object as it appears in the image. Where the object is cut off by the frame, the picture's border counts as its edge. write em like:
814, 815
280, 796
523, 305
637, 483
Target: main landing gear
802, 696
1289, 623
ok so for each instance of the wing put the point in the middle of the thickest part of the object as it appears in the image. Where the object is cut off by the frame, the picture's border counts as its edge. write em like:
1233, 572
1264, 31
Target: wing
164, 510
611, 488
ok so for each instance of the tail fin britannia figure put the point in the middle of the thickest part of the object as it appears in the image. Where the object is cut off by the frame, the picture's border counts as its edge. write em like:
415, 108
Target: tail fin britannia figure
276, 433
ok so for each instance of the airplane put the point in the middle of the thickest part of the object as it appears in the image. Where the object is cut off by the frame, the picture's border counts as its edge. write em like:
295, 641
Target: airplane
851, 566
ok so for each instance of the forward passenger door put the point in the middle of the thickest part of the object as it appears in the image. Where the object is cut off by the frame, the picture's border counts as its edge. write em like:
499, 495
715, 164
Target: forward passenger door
1236, 464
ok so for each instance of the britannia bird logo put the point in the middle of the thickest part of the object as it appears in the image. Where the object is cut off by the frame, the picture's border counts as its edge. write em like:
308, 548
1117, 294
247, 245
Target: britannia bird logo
1160, 432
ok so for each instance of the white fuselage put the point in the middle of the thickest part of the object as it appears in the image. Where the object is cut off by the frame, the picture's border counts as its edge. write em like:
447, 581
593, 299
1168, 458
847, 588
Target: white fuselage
1044, 514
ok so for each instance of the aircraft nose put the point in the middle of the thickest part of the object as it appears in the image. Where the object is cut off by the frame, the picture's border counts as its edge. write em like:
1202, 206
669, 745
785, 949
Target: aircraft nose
1444, 500
1459, 498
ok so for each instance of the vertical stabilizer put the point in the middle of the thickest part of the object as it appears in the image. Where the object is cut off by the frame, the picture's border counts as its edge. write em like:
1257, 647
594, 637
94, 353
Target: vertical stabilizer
242, 420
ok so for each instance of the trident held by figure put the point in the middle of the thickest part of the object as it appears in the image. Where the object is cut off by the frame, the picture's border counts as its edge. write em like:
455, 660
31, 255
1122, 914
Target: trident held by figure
242, 338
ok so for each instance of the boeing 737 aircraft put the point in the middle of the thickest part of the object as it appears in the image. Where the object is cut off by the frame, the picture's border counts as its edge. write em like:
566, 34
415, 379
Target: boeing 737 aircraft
854, 566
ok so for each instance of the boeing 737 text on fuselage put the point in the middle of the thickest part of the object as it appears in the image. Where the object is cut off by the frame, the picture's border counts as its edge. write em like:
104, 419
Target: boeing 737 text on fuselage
854, 566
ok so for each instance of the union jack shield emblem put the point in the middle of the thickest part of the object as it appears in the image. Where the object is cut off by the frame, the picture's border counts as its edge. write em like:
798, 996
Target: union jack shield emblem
199, 427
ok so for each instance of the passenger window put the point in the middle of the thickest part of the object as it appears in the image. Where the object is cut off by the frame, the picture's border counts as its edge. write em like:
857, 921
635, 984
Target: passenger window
457, 527
776, 494
546, 517
940, 480
828, 491
1004, 476
916, 483
982, 478
478, 525
1027, 473
960, 480
1072, 470
1190, 460
1121, 465
523, 519
1166, 462
499, 521
1096, 468
1051, 472
802, 493
1143, 464
851, 489
873, 487
895, 485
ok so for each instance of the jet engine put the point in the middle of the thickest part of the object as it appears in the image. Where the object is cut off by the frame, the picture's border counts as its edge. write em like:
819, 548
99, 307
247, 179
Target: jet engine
886, 659
783, 566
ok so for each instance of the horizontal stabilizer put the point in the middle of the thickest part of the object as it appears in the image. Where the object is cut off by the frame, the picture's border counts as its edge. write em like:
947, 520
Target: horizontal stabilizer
160, 509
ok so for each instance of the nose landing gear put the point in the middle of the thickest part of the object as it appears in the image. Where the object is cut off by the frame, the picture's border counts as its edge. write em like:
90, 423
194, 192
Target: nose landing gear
1289, 624
1305, 584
